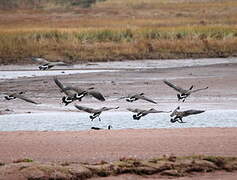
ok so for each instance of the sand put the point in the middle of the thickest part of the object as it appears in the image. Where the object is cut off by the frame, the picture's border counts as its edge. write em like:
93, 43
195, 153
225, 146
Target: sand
110, 145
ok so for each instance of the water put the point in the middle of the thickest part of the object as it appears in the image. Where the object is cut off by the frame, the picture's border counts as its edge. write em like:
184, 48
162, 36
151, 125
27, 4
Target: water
13, 74
70, 121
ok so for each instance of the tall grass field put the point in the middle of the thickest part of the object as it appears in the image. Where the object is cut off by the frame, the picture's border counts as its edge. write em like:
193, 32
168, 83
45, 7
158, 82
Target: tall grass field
119, 30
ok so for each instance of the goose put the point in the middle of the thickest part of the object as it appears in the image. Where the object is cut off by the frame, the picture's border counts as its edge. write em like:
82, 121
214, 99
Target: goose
135, 97
73, 93
19, 96
97, 128
95, 112
180, 114
141, 112
47, 64
183, 93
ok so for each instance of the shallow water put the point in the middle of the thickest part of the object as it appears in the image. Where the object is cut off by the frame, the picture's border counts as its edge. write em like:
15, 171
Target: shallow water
16, 71
70, 121
12, 74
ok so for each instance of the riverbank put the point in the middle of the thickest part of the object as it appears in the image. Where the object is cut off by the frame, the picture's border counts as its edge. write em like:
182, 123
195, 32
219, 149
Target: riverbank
68, 149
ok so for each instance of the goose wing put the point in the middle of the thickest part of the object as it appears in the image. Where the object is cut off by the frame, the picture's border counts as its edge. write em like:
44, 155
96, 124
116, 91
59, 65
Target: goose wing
135, 110
64, 89
25, 98
156, 111
145, 98
40, 60
196, 90
108, 108
77, 90
191, 112
179, 89
86, 109
60, 63
97, 95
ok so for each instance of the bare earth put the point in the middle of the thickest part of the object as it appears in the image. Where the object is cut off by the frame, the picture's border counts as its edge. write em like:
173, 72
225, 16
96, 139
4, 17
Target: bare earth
94, 146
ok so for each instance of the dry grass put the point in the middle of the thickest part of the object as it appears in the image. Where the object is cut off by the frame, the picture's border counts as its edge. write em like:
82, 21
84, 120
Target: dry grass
119, 29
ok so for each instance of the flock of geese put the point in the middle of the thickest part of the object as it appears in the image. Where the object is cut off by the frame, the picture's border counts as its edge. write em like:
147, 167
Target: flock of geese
72, 94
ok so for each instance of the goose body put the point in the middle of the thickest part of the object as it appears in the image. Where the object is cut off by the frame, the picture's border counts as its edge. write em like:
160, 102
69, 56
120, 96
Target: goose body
73, 93
45, 64
135, 97
95, 112
179, 115
19, 96
183, 93
140, 112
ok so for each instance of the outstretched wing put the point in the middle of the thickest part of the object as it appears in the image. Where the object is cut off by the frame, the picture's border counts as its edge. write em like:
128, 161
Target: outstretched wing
192, 112
40, 60
145, 98
179, 89
196, 90
25, 98
58, 64
156, 111
97, 95
78, 90
63, 88
135, 110
108, 108
86, 109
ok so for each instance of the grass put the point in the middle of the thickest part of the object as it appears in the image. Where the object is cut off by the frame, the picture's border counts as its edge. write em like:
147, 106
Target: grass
119, 29
164, 166
23, 160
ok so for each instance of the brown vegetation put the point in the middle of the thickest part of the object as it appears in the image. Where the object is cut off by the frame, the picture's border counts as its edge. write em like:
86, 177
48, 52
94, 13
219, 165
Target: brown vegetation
165, 166
117, 30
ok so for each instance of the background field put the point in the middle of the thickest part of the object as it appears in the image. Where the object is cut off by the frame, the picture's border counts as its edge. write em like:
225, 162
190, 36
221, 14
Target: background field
117, 29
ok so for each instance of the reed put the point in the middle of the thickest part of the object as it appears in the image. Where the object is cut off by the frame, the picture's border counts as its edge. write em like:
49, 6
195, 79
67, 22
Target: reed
122, 30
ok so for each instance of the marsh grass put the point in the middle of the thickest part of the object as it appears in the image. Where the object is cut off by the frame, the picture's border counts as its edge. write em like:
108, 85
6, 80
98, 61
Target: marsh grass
118, 30
164, 166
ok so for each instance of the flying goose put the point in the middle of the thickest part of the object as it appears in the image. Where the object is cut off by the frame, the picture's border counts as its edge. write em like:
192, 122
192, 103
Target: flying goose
97, 128
180, 114
47, 64
73, 93
135, 97
19, 96
95, 112
141, 112
183, 93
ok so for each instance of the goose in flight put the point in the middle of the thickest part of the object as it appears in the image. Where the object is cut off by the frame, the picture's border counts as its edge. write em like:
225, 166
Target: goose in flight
97, 128
178, 115
140, 112
135, 97
19, 96
183, 93
95, 112
73, 93
45, 64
